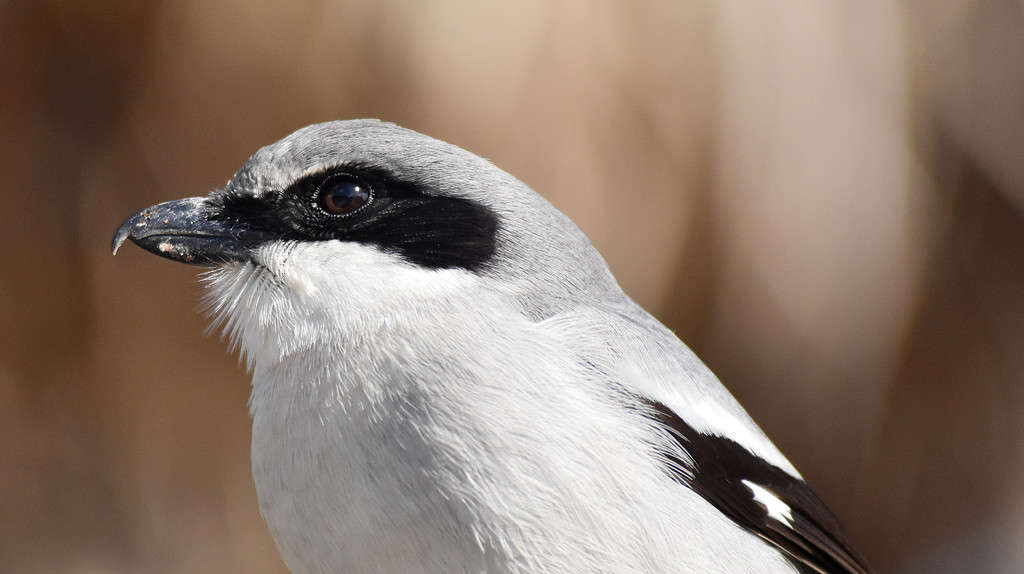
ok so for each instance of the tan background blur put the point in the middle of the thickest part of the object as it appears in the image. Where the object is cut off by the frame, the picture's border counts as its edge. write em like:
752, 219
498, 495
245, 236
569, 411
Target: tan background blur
824, 199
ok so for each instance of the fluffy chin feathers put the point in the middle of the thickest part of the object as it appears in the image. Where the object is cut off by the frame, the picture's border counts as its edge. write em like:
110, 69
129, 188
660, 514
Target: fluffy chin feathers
235, 301
295, 296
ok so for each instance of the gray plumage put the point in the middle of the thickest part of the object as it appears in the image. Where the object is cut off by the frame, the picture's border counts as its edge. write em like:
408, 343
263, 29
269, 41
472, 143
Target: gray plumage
417, 410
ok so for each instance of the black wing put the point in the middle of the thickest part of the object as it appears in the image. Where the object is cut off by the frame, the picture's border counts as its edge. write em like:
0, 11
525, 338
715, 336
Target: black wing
721, 471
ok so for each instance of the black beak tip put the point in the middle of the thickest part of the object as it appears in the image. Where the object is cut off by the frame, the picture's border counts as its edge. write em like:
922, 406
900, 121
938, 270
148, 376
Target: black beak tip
132, 228
120, 236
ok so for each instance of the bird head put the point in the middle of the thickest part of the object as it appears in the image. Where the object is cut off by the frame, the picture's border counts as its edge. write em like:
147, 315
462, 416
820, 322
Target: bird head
364, 210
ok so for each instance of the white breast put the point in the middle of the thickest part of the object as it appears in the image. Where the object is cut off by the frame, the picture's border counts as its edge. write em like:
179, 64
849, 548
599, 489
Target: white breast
443, 432
342, 482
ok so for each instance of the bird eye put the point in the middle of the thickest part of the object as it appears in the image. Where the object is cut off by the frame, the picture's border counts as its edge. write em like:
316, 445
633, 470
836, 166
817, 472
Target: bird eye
343, 194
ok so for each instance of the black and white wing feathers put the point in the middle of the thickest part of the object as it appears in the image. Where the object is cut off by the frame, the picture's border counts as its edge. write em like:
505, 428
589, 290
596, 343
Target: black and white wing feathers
759, 497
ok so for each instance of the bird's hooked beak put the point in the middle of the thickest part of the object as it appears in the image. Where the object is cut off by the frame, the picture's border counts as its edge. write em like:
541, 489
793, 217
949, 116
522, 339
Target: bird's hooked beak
187, 230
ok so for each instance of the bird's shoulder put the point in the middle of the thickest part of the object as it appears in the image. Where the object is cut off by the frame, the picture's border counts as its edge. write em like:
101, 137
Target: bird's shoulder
713, 446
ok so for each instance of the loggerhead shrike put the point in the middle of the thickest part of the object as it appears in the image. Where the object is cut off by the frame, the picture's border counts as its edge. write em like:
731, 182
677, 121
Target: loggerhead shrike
448, 379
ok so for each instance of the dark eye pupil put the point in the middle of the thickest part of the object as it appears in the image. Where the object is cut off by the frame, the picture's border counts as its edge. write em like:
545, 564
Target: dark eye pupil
342, 194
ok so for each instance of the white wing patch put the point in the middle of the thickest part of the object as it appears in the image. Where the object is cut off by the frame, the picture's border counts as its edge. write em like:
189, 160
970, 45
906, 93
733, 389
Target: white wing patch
776, 508
711, 418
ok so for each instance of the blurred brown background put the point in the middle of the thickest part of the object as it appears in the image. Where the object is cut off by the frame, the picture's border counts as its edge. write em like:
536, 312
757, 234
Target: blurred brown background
824, 199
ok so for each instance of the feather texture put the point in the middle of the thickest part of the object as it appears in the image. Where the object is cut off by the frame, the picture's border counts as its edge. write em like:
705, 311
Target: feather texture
451, 380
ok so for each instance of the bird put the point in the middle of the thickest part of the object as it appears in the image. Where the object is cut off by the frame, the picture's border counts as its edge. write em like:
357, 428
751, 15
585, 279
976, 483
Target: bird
447, 378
